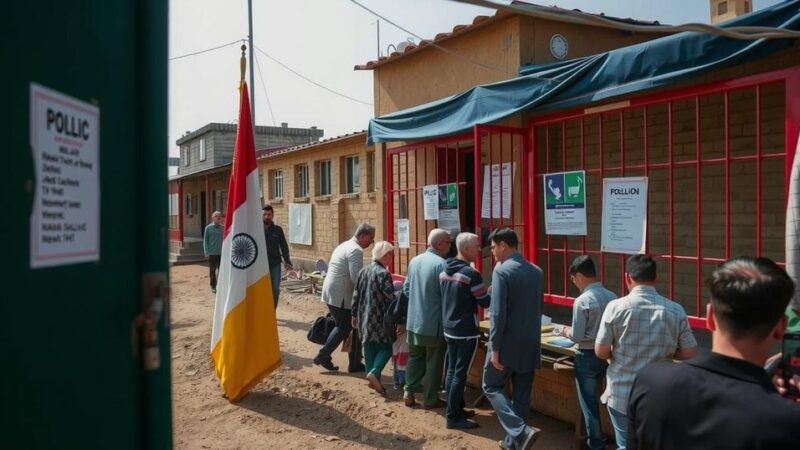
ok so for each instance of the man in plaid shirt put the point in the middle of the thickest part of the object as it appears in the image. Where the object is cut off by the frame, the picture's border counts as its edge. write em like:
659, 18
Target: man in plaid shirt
636, 330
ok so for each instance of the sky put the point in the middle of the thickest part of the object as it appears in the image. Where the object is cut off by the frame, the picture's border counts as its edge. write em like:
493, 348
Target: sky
322, 40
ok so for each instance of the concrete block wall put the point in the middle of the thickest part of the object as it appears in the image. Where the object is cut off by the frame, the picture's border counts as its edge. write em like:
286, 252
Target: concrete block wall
336, 216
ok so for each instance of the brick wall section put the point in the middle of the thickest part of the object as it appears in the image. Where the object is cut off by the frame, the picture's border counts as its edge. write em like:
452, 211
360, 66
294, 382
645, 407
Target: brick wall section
335, 217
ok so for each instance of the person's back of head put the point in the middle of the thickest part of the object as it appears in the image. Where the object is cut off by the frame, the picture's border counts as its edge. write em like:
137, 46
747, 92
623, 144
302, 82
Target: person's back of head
640, 269
439, 240
749, 297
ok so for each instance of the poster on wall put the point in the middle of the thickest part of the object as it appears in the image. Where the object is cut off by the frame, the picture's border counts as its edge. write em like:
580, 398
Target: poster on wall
403, 240
497, 190
565, 203
65, 140
430, 202
449, 217
300, 222
624, 215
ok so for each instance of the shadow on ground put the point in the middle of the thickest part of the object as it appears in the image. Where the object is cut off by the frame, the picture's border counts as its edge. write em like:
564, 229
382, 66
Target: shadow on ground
322, 420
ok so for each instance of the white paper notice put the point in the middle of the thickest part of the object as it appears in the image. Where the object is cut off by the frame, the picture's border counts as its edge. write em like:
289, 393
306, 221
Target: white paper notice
65, 138
430, 202
499, 185
403, 240
624, 215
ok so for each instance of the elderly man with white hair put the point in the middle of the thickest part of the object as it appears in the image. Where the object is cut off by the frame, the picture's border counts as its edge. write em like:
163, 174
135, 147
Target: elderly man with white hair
462, 292
424, 323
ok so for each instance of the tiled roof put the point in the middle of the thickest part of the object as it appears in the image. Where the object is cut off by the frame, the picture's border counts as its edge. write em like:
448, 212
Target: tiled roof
477, 22
276, 151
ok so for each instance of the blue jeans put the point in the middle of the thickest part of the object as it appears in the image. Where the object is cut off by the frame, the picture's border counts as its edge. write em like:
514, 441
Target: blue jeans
620, 422
275, 277
588, 370
511, 412
459, 358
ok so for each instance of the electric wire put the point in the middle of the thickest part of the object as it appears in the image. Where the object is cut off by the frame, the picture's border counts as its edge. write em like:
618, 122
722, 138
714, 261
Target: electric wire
264, 86
430, 42
199, 52
321, 86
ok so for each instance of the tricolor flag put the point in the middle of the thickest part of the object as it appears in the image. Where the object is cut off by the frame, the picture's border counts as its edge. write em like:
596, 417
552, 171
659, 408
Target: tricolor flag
244, 338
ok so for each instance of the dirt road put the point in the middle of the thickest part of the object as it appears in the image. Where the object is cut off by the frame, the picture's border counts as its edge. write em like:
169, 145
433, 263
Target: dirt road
300, 406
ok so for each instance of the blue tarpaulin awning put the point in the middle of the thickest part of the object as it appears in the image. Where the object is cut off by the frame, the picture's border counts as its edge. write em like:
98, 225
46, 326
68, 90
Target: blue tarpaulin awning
581, 81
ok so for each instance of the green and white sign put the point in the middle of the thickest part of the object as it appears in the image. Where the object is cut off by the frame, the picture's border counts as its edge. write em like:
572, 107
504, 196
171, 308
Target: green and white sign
565, 203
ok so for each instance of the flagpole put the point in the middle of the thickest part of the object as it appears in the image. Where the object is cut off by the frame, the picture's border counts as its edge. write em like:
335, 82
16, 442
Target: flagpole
252, 83
242, 66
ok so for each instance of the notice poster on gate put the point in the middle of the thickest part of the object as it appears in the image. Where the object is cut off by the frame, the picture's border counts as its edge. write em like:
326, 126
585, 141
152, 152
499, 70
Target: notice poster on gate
403, 238
430, 202
449, 217
497, 191
65, 140
624, 215
565, 203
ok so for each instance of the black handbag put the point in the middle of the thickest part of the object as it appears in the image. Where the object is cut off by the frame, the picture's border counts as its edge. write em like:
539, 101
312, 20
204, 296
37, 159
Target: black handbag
396, 313
321, 329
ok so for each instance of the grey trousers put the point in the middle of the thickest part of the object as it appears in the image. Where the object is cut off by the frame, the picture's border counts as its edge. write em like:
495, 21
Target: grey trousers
511, 412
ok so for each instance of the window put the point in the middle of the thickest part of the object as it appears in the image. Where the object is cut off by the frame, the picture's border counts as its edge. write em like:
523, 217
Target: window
185, 155
173, 211
371, 172
276, 184
324, 178
261, 183
722, 8
220, 201
202, 149
189, 205
302, 182
352, 175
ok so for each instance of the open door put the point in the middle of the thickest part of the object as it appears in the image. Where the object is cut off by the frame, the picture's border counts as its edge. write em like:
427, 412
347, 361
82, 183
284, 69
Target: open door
86, 230
502, 188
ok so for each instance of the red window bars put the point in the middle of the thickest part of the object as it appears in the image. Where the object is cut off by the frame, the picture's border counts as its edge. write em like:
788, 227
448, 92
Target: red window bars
718, 159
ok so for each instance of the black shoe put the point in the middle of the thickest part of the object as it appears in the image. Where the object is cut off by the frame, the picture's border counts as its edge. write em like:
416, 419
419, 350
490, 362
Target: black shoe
213, 290
326, 363
462, 424
525, 440
356, 369
467, 413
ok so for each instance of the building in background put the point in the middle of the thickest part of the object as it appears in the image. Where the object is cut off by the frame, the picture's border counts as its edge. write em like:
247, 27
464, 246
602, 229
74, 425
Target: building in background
201, 184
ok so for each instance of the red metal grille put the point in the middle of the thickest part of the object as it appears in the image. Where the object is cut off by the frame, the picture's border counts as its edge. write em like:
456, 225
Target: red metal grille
714, 155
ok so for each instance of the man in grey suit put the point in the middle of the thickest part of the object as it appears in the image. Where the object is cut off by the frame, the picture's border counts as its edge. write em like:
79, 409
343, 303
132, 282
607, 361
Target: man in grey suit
337, 292
514, 349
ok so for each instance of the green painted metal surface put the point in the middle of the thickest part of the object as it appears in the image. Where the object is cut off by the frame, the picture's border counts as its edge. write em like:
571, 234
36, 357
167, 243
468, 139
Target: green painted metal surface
69, 377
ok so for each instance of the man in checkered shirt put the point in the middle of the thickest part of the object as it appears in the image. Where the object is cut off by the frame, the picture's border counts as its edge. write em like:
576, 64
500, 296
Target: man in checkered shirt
636, 330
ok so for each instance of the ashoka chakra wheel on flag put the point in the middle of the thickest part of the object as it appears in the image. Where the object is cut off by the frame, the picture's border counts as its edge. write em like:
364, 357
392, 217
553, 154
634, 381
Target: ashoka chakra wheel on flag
243, 251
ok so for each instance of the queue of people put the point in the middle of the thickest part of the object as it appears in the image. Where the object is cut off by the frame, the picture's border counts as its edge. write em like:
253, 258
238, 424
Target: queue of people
718, 399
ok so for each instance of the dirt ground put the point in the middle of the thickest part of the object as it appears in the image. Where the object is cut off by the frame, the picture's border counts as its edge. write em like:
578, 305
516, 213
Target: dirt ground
300, 406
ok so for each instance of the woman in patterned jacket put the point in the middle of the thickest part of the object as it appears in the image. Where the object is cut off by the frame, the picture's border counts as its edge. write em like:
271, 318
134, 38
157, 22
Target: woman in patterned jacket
372, 296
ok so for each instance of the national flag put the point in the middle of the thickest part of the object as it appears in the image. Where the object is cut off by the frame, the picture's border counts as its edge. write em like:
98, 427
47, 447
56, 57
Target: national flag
244, 337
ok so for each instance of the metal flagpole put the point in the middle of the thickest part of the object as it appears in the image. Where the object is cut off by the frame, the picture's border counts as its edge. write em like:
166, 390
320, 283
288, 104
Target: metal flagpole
252, 83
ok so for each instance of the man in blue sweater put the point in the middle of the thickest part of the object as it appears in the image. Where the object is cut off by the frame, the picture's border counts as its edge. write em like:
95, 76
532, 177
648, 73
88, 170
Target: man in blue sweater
462, 291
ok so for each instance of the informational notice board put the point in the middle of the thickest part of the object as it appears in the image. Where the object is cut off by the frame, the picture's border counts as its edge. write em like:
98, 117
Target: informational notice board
565, 203
497, 190
65, 140
403, 237
624, 215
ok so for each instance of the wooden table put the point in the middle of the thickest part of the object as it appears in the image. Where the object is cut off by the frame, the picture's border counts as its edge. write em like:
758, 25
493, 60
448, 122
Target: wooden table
547, 336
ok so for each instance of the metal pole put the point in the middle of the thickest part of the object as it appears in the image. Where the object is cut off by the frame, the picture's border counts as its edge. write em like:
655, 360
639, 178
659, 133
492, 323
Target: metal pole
252, 83
379, 38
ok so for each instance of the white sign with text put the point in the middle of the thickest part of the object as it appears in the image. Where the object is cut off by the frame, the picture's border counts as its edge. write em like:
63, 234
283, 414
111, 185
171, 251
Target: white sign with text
65, 139
624, 215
